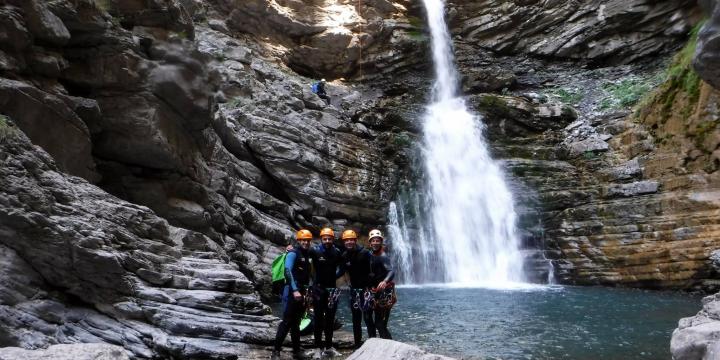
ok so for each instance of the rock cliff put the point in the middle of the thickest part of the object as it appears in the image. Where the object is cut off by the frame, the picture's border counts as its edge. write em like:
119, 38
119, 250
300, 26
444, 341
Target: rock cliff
197, 151
156, 154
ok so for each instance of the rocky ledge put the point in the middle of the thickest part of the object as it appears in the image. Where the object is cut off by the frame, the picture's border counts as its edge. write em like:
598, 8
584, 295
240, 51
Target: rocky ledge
67, 352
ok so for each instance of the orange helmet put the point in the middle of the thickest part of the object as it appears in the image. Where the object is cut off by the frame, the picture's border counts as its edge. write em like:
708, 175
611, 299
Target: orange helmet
349, 234
304, 234
327, 232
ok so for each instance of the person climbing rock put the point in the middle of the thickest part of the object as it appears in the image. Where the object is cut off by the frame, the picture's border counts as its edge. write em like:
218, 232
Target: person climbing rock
297, 279
319, 89
326, 259
381, 276
356, 263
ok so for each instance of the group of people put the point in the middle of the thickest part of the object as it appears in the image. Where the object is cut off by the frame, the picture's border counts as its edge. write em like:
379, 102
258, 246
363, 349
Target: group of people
311, 272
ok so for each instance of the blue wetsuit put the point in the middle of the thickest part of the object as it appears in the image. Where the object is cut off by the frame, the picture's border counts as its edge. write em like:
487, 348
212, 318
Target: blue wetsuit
297, 278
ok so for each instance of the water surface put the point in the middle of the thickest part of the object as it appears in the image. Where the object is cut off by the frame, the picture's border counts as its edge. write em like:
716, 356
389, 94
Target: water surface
541, 323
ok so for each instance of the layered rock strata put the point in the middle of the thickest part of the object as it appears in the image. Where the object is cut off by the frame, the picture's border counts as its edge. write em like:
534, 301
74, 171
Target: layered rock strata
81, 265
605, 32
220, 149
193, 116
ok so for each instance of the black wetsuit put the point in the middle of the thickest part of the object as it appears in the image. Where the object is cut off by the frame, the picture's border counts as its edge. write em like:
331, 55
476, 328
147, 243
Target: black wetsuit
326, 262
381, 270
321, 92
356, 263
297, 278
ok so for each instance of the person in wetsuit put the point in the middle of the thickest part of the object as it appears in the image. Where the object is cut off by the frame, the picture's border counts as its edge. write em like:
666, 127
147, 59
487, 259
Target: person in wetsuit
321, 93
381, 276
356, 263
297, 279
326, 259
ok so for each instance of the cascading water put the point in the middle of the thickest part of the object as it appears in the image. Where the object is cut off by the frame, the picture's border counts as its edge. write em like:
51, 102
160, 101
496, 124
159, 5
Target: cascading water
471, 215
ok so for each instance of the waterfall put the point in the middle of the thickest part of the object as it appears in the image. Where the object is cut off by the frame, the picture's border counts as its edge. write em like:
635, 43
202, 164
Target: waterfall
471, 219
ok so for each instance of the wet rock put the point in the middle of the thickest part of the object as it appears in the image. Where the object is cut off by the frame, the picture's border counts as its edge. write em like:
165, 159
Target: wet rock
376, 349
516, 116
697, 337
707, 54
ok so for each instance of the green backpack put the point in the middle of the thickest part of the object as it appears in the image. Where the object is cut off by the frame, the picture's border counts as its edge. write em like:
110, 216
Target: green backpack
278, 272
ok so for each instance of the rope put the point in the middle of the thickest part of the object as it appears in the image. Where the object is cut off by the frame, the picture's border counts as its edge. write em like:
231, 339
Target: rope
362, 30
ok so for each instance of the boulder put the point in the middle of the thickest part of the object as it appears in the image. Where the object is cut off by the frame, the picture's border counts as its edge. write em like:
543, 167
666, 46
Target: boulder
698, 337
381, 349
44, 25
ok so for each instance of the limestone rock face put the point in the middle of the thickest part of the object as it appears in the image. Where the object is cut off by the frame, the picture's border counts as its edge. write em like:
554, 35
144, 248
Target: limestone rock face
218, 151
331, 40
615, 31
152, 288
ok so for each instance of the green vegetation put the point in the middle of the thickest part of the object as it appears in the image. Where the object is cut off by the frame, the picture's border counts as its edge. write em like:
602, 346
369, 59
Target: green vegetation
104, 5
678, 78
566, 96
417, 30
681, 78
182, 35
493, 104
589, 155
234, 103
627, 92
416, 22
702, 131
402, 140
6, 128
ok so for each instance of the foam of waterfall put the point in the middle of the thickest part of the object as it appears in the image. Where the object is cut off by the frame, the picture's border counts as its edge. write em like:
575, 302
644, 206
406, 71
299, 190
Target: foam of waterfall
471, 220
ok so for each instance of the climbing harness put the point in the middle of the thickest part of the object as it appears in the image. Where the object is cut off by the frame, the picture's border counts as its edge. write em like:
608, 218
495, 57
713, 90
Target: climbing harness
307, 298
386, 298
333, 297
363, 300
368, 300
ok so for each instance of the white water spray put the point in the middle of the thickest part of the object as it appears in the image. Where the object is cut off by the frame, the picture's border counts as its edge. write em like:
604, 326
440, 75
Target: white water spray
471, 207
